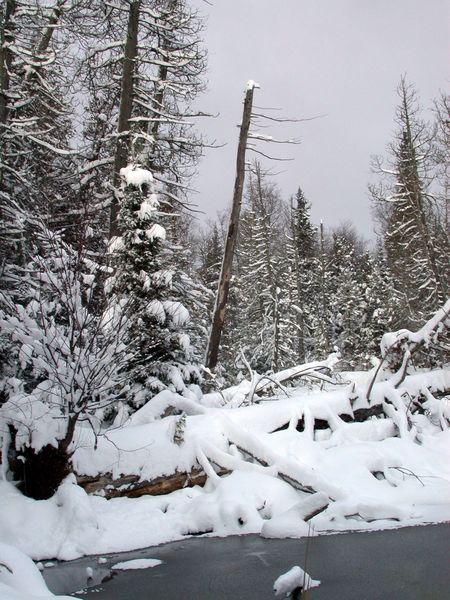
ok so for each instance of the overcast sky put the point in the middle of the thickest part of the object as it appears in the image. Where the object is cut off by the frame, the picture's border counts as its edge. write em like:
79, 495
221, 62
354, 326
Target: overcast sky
340, 58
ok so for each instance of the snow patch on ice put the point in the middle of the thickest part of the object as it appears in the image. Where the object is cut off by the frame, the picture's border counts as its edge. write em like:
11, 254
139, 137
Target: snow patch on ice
293, 579
138, 563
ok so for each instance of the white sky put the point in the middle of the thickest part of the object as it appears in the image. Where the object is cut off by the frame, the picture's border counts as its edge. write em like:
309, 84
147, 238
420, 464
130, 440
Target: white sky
341, 58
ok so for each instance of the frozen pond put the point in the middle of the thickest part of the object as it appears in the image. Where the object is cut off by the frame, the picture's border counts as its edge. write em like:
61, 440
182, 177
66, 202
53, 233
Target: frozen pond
409, 563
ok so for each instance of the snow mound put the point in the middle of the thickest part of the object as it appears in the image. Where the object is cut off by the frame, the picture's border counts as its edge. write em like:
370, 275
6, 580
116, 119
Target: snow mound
293, 579
20, 579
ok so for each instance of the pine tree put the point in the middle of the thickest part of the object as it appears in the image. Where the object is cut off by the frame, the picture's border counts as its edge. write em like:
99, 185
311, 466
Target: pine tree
304, 256
257, 274
36, 164
152, 293
383, 306
142, 81
409, 216
323, 318
347, 298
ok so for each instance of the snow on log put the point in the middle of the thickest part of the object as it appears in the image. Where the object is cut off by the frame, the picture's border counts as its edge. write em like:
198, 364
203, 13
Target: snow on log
425, 335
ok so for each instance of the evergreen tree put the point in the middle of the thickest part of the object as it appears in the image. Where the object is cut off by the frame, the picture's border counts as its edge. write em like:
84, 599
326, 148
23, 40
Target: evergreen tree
141, 83
347, 301
304, 255
323, 317
409, 217
36, 166
208, 254
257, 274
152, 293
383, 306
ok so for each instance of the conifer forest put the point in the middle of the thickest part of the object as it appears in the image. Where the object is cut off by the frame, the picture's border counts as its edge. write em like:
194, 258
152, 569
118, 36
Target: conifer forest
256, 372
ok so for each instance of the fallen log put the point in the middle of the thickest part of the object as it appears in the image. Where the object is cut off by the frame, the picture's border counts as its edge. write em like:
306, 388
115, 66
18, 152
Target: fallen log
284, 476
397, 348
359, 416
130, 486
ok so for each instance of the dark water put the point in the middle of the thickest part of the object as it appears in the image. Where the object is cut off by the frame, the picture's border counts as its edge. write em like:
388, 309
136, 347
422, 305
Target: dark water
403, 564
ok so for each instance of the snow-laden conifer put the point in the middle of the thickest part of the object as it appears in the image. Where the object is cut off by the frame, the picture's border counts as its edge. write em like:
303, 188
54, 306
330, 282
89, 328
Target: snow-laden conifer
154, 293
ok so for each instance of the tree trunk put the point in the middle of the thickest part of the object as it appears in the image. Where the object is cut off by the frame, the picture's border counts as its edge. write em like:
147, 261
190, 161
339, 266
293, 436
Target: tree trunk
230, 245
131, 486
125, 109
323, 303
46, 36
6, 37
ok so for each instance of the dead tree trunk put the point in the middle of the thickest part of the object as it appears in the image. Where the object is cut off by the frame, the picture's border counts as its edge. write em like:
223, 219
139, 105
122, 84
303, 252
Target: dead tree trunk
6, 38
126, 105
230, 245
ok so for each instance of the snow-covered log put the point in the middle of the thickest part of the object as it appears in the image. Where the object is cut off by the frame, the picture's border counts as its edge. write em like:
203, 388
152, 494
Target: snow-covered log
130, 485
397, 348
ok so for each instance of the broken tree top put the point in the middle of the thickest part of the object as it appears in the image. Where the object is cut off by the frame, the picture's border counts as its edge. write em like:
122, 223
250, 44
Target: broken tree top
251, 85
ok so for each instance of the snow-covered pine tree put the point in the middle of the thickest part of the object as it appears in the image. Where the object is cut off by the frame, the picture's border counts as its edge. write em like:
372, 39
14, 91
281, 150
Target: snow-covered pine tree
383, 306
141, 81
441, 159
208, 253
257, 268
152, 294
35, 158
187, 285
408, 215
302, 253
323, 318
210, 256
347, 303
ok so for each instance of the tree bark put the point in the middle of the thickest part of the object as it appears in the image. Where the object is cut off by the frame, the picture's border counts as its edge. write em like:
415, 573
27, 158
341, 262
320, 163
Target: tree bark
5, 56
131, 486
6, 34
125, 109
46, 35
230, 245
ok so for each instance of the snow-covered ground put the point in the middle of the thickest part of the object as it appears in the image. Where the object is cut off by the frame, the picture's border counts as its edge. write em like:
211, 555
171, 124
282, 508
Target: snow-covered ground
381, 473
20, 578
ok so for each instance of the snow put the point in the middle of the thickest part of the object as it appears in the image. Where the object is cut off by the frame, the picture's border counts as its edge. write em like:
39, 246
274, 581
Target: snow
425, 333
148, 207
20, 578
138, 563
133, 175
293, 579
156, 309
156, 231
116, 244
179, 315
251, 85
381, 473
